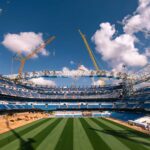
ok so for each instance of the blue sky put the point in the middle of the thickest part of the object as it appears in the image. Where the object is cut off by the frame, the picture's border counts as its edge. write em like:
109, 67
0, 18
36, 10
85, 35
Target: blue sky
61, 18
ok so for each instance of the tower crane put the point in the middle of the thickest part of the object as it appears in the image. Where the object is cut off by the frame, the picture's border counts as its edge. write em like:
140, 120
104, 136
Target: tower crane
30, 55
91, 54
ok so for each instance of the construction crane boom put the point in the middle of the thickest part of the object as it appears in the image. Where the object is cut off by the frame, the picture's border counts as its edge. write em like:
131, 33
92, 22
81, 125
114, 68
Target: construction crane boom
23, 59
40, 47
89, 51
101, 82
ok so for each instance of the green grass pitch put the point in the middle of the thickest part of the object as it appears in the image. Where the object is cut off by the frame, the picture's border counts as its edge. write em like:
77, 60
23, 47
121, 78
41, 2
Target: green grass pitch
74, 134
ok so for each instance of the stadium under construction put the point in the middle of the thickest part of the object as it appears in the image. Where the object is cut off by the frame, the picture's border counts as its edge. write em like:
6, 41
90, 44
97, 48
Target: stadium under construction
101, 112
62, 89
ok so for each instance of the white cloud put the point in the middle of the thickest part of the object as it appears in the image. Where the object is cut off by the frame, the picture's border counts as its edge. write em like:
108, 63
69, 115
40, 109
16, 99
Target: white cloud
68, 72
147, 52
24, 42
119, 68
80, 68
42, 81
98, 82
139, 21
74, 73
118, 50
65, 69
122, 50
72, 62
83, 68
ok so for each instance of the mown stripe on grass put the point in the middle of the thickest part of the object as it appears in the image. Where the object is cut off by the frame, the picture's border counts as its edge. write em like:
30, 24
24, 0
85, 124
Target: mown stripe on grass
38, 138
113, 142
8, 133
12, 137
135, 133
132, 140
66, 139
113, 139
96, 141
27, 138
51, 140
81, 141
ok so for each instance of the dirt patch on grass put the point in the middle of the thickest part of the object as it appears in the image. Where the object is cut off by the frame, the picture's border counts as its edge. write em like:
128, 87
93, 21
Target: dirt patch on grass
19, 119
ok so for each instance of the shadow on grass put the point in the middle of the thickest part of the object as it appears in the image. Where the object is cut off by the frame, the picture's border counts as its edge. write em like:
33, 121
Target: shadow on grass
24, 144
127, 135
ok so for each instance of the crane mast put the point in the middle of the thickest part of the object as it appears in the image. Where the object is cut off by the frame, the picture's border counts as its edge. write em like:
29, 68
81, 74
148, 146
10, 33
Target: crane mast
22, 63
